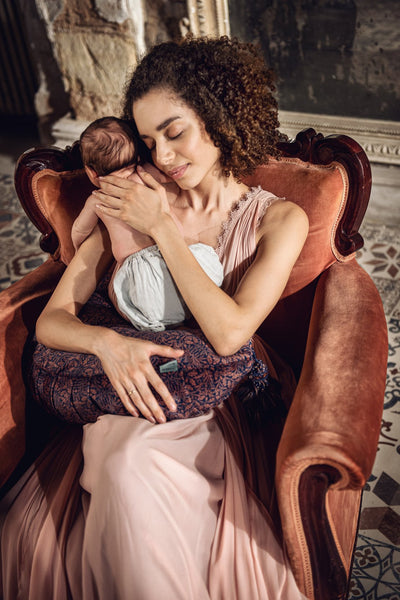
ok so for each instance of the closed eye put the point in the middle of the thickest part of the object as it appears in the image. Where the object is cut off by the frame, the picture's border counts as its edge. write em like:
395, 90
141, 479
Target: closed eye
174, 137
152, 147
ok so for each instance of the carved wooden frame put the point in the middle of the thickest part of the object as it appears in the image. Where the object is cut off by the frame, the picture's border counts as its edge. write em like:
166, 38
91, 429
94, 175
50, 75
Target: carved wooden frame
313, 147
208, 17
28, 164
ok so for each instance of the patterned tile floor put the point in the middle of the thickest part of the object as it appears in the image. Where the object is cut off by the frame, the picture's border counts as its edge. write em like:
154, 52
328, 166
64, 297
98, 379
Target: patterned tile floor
376, 570
19, 239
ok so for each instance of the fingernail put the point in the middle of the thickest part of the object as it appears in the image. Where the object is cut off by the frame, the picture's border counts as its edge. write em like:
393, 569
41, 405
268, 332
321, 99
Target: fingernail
152, 419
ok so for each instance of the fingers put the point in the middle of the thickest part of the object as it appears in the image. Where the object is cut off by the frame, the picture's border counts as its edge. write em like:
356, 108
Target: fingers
131, 373
139, 397
126, 399
106, 201
113, 182
148, 405
132, 400
166, 351
147, 178
163, 391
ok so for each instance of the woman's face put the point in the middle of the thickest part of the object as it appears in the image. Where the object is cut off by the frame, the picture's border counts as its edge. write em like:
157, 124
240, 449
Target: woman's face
179, 143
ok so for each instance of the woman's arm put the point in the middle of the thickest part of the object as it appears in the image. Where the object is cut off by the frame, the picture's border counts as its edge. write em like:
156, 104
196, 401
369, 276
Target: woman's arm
125, 361
228, 322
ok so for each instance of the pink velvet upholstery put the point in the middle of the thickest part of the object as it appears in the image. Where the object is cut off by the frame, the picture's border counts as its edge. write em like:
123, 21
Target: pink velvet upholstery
329, 325
20, 306
327, 186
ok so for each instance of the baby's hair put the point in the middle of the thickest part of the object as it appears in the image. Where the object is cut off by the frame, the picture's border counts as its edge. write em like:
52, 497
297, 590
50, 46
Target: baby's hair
108, 144
227, 83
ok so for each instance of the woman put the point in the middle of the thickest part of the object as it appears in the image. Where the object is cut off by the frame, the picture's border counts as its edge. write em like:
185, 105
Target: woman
175, 511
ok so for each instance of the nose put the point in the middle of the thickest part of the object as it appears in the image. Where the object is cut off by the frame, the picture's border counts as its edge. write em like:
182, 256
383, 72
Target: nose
163, 154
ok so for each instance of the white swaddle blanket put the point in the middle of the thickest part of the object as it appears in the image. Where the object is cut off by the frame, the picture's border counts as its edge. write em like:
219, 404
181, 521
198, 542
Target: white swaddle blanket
146, 292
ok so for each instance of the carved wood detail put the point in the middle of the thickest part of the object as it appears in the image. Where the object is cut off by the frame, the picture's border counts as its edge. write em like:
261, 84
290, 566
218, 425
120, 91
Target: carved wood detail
208, 17
317, 149
30, 163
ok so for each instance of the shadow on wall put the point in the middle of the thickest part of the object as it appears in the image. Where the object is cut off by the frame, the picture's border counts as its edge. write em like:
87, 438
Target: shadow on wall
32, 90
337, 57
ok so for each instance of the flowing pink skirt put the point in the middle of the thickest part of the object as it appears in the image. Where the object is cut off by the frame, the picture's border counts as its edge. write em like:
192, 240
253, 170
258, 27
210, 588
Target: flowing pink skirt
178, 511
166, 514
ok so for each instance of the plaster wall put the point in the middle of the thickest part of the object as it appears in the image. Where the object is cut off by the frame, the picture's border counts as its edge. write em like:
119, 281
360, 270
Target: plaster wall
334, 57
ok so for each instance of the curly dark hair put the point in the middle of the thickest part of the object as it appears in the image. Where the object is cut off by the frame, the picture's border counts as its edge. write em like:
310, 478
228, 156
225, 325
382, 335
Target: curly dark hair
227, 83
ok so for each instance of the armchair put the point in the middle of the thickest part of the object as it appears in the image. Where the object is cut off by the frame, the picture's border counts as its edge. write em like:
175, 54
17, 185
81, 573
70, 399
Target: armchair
329, 326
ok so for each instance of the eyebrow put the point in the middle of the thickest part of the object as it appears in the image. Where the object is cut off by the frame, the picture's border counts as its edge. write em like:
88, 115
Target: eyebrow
162, 125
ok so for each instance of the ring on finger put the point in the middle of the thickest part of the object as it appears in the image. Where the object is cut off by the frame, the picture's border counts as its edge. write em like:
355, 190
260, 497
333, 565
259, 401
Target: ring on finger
133, 391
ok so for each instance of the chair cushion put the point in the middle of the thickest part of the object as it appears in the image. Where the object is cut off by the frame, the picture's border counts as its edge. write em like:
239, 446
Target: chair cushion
320, 190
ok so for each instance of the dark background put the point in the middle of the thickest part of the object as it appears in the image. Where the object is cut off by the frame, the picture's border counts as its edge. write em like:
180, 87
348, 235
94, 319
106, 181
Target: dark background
335, 57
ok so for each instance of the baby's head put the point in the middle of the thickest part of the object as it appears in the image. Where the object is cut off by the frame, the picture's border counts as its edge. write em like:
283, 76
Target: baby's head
107, 145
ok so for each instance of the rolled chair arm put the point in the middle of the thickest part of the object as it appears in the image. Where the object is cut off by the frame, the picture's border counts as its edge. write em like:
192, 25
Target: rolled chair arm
20, 306
329, 442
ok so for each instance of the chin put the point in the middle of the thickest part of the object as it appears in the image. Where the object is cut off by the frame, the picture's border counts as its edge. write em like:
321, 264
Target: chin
185, 184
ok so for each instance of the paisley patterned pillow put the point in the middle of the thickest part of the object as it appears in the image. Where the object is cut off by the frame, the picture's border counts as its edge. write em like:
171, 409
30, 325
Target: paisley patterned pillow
73, 386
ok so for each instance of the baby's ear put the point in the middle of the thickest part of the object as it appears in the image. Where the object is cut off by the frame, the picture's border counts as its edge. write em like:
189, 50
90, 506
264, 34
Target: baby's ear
91, 173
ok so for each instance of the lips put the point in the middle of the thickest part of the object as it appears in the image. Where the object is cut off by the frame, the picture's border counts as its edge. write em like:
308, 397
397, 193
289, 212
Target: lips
178, 172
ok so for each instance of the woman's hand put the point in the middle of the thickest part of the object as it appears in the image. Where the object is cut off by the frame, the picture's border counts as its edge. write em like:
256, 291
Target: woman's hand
143, 207
126, 362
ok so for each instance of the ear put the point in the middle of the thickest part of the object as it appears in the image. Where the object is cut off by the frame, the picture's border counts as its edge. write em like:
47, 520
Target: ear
91, 173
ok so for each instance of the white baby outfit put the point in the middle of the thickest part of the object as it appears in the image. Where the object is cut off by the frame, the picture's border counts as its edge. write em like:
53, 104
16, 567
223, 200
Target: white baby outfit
146, 292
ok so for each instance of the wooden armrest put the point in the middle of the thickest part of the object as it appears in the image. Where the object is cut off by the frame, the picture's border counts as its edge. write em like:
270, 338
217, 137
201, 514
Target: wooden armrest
329, 442
20, 306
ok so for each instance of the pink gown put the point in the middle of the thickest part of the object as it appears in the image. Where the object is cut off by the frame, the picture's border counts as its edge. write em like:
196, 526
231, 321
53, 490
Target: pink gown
179, 511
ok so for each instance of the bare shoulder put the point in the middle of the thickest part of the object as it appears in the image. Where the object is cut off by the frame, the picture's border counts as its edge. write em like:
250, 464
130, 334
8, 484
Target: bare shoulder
284, 218
284, 209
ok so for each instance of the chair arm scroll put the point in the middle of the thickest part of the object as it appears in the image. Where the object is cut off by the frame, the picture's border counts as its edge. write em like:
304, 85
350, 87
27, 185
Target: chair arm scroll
329, 442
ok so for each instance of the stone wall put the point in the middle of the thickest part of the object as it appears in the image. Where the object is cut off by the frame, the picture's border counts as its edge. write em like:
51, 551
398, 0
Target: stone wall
335, 57
84, 50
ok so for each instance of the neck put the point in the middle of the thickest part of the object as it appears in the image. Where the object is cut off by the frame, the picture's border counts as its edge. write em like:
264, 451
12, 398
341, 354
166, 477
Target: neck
215, 194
